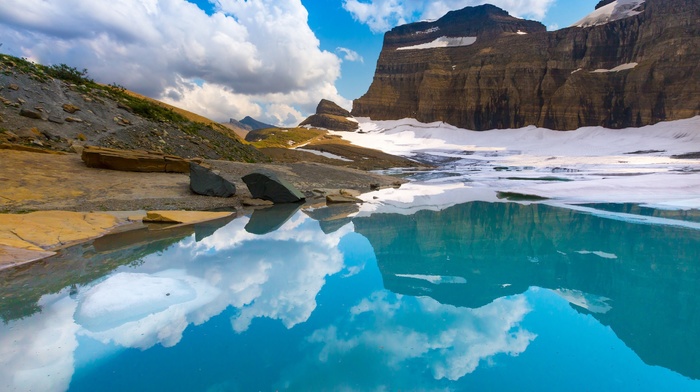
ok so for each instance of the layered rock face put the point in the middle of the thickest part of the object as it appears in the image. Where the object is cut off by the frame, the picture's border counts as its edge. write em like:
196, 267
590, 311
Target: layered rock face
635, 71
331, 116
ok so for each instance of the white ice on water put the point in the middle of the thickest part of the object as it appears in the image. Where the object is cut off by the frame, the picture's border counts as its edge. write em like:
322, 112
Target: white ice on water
588, 165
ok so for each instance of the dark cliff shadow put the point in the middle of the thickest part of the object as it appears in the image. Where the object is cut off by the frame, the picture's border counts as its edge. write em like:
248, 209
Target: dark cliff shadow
645, 278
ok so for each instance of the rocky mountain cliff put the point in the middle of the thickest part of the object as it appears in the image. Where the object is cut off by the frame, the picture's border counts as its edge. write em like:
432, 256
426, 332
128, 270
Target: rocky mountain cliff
331, 116
480, 68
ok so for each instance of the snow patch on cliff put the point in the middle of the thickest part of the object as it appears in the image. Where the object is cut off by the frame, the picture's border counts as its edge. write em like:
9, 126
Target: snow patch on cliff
442, 42
616, 10
622, 67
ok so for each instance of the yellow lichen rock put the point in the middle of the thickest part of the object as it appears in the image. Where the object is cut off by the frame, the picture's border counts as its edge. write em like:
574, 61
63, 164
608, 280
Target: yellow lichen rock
48, 229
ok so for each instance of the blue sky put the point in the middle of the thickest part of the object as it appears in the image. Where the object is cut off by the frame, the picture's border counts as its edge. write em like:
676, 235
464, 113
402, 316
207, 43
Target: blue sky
270, 59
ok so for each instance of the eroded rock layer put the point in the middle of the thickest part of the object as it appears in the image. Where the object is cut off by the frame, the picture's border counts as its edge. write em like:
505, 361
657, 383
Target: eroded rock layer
635, 71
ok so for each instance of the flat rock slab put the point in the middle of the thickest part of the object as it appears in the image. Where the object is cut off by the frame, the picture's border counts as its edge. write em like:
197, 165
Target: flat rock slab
41, 230
12, 257
184, 217
342, 199
134, 160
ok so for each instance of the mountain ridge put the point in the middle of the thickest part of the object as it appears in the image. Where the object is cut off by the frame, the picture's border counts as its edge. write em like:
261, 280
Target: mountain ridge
629, 72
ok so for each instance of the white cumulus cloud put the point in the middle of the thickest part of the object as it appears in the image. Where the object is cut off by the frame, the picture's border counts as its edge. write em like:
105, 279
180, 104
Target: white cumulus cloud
382, 15
252, 56
350, 55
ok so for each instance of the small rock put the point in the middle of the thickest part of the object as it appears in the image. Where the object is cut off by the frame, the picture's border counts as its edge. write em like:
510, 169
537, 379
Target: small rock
49, 136
374, 186
11, 136
342, 199
256, 202
73, 119
350, 192
30, 114
69, 108
77, 148
37, 142
55, 119
124, 107
13, 87
21, 101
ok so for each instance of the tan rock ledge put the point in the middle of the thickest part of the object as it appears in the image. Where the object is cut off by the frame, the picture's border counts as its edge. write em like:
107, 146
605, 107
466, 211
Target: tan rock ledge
29, 237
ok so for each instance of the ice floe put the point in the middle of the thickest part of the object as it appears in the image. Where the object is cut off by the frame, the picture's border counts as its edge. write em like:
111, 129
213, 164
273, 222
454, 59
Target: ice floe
435, 279
590, 164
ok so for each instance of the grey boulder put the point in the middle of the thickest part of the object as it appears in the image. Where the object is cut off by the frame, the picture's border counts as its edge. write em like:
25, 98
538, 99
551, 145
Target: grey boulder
204, 181
267, 186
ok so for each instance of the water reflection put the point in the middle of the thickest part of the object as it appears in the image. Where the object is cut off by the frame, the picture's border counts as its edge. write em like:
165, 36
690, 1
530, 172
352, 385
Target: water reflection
276, 276
451, 341
452, 298
641, 280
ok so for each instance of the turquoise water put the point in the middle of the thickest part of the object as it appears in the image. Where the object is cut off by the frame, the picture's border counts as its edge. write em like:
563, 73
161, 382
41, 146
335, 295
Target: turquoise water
480, 296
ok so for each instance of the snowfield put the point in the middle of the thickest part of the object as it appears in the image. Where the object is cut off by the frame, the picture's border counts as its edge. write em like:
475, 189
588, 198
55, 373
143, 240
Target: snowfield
588, 165
442, 42
616, 10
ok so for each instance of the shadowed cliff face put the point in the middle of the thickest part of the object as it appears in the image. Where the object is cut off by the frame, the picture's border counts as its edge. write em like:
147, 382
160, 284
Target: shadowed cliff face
508, 79
641, 280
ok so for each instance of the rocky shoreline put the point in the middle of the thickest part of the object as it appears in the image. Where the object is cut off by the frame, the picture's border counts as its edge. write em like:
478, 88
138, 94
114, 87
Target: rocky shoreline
61, 184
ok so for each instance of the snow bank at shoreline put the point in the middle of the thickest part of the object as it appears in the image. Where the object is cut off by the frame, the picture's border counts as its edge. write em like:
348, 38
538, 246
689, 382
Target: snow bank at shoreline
588, 165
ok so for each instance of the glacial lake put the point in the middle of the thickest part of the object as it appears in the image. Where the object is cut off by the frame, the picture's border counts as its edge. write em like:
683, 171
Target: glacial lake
478, 296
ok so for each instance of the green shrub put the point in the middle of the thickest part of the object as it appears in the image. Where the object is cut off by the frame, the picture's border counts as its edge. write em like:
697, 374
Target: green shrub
69, 74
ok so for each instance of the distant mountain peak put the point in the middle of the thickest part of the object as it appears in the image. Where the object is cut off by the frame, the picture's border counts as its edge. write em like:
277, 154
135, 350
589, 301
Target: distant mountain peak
254, 124
481, 22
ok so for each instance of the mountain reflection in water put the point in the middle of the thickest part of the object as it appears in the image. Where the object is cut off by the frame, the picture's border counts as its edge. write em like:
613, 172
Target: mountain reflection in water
464, 297
641, 280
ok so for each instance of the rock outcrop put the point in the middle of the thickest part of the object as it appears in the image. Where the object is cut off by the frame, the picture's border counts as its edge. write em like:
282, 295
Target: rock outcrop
134, 160
479, 68
207, 182
331, 116
268, 186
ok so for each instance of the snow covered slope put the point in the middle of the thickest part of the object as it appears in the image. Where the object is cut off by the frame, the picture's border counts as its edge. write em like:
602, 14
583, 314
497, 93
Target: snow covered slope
616, 10
592, 164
